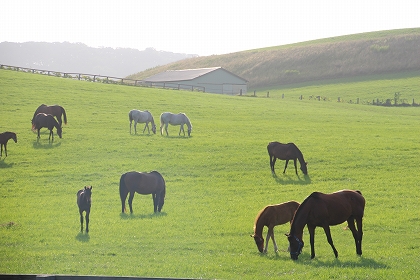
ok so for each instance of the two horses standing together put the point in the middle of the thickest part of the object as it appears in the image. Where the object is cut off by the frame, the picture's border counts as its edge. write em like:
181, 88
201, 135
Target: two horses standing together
165, 119
317, 210
44, 117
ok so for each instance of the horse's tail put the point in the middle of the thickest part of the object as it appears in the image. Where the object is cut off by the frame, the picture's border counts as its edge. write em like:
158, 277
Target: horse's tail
130, 116
64, 115
122, 188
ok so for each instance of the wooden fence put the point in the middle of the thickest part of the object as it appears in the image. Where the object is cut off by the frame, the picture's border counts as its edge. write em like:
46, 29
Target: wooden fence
104, 79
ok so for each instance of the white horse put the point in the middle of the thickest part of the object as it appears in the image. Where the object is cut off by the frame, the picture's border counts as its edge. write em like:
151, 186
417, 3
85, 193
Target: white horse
141, 117
175, 119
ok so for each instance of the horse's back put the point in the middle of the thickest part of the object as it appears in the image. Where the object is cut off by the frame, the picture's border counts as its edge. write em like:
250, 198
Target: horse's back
144, 183
336, 207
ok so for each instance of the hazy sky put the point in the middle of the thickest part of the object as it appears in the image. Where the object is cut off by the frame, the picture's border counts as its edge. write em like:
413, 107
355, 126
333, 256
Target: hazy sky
198, 27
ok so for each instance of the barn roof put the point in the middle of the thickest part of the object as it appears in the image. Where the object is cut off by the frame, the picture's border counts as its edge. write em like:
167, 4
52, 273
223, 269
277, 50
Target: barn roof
184, 75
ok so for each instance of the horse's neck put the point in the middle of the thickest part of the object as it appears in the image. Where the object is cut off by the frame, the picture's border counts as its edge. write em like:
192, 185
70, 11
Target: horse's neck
299, 222
259, 225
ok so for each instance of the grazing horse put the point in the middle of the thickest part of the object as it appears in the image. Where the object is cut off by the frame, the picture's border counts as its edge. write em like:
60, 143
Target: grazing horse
175, 119
43, 120
271, 216
141, 117
84, 201
142, 183
4, 137
325, 210
286, 152
55, 110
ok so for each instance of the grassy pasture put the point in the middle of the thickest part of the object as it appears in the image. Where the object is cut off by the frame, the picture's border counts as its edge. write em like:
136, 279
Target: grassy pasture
217, 180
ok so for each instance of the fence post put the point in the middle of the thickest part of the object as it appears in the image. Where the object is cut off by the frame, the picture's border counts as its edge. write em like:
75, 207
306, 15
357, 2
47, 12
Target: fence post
254, 93
240, 92
268, 94
358, 100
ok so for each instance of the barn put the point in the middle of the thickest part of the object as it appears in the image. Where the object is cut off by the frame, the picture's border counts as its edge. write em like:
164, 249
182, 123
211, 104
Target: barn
214, 80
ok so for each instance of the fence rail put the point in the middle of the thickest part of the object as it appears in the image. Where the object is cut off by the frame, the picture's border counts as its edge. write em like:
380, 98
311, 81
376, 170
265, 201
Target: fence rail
103, 79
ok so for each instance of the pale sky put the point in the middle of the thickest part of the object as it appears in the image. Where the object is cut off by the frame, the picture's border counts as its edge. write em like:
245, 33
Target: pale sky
198, 27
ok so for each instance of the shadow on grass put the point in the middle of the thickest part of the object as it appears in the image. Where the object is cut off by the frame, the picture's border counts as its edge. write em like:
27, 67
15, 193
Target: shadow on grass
294, 179
305, 259
83, 237
5, 165
50, 145
126, 216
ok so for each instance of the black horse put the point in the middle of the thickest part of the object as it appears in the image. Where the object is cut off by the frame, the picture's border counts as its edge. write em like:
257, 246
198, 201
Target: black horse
142, 183
286, 152
84, 202
55, 110
4, 137
43, 120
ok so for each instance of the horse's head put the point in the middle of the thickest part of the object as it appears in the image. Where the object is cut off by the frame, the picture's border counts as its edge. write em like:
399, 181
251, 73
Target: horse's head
88, 191
59, 131
295, 246
154, 128
259, 241
189, 131
14, 137
304, 168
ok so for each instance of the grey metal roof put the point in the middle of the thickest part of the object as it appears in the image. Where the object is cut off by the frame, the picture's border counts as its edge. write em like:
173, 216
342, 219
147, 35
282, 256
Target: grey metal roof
182, 75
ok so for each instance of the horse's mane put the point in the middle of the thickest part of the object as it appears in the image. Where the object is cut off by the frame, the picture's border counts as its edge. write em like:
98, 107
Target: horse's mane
297, 149
302, 205
258, 217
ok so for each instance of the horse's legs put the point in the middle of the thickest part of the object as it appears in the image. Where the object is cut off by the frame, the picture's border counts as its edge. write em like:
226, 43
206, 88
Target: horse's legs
357, 234
147, 125
285, 166
123, 197
328, 234
81, 220
166, 129
87, 220
130, 201
270, 234
155, 202
130, 126
294, 161
272, 163
5, 149
38, 133
1, 149
181, 128
135, 127
311, 230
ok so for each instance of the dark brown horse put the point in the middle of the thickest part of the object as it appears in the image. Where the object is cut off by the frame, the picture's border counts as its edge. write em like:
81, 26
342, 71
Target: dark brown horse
55, 110
43, 120
286, 152
143, 183
325, 210
4, 137
84, 201
271, 216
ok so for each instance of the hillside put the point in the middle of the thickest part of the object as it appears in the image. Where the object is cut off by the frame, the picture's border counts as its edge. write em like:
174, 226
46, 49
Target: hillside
79, 58
331, 58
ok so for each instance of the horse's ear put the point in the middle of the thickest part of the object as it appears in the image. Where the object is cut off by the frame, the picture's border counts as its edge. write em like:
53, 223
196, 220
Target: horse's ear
252, 235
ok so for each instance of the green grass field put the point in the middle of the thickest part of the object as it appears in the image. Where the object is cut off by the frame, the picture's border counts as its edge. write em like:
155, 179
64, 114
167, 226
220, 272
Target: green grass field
217, 181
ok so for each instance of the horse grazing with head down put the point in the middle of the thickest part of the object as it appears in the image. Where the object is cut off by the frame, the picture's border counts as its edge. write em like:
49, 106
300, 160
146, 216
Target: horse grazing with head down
43, 120
325, 210
4, 137
55, 110
143, 183
141, 117
286, 152
175, 119
84, 201
271, 216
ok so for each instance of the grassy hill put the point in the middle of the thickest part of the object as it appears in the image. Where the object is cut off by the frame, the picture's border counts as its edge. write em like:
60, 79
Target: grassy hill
217, 181
331, 58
